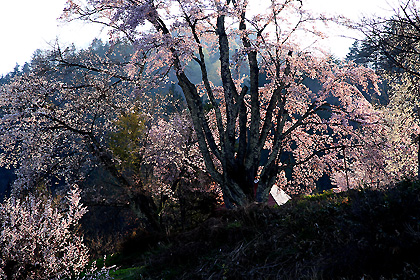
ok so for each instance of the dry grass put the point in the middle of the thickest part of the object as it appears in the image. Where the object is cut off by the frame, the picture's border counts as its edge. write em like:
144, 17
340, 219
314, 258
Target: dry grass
370, 234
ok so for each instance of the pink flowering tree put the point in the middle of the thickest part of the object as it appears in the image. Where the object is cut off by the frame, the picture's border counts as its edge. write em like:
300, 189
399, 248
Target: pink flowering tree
55, 122
391, 152
365, 165
39, 237
162, 151
392, 43
251, 128
173, 151
402, 119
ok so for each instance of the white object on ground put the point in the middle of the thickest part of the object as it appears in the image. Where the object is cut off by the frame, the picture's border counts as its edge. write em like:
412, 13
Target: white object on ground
279, 195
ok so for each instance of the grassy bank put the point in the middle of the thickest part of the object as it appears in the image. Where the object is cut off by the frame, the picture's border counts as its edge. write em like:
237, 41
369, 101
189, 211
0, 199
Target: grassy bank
350, 235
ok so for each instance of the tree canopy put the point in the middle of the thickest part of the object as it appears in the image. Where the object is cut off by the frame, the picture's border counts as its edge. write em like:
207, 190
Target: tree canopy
251, 131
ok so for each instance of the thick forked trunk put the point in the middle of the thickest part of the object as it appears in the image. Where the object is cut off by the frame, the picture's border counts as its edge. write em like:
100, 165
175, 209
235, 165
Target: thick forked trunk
244, 189
239, 186
239, 159
243, 186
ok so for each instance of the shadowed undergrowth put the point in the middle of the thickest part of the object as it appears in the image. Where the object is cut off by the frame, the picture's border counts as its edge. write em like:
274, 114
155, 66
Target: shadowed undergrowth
350, 235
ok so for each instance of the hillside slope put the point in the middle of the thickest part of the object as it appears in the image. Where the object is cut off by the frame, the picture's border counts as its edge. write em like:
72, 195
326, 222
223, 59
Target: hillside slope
350, 235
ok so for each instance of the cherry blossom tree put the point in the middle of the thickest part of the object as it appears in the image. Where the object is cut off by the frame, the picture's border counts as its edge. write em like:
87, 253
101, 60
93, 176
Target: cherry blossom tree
39, 239
76, 112
162, 151
366, 165
55, 121
179, 171
250, 129
393, 42
174, 152
391, 154
402, 122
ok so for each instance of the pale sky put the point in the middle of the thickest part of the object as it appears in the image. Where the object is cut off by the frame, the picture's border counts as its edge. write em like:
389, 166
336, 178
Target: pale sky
28, 25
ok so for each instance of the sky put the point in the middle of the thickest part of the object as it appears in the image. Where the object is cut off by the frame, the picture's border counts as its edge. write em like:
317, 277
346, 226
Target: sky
28, 25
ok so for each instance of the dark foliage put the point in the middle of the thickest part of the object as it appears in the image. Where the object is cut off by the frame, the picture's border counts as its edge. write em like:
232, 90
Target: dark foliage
360, 233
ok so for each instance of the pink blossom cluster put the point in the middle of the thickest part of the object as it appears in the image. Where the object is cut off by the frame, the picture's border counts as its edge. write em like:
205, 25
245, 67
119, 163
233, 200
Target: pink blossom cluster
39, 238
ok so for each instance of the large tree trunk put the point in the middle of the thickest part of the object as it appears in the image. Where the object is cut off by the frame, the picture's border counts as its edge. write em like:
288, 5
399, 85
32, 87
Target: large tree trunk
237, 151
